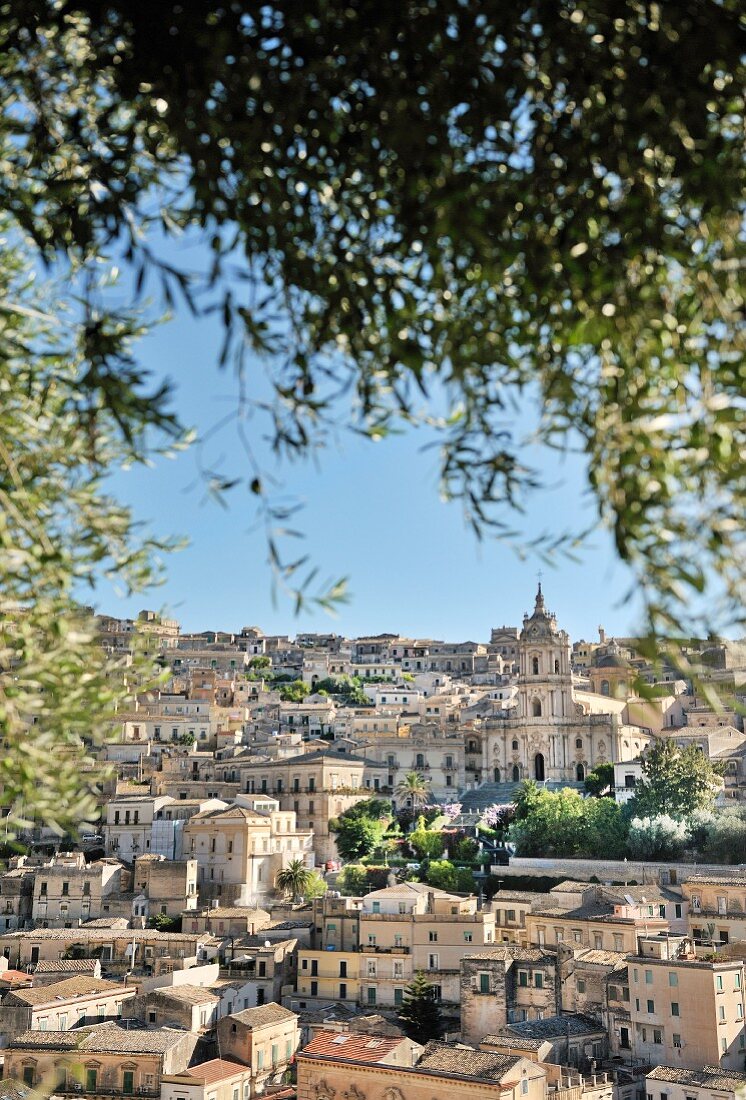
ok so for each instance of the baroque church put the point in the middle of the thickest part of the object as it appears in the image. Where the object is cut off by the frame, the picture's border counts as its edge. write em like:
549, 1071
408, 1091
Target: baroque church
556, 733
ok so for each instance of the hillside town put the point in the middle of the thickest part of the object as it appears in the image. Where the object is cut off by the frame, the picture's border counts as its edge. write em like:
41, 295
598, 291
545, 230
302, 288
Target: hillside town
317, 872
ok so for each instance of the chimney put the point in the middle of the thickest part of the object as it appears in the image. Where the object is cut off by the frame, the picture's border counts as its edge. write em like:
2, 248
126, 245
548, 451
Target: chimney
602, 635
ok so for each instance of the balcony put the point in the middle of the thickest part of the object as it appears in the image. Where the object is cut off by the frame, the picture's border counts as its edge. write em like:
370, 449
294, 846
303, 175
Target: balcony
75, 1088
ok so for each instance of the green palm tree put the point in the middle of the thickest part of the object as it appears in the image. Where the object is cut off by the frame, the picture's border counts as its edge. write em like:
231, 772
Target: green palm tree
294, 879
414, 787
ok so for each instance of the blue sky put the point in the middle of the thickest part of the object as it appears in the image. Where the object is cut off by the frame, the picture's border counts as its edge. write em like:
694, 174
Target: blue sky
372, 513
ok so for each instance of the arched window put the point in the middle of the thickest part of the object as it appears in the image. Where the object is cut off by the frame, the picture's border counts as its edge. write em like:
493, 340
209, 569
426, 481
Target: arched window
515, 746
472, 746
556, 668
578, 742
536, 708
539, 767
497, 775
535, 665
516, 774
604, 687
419, 760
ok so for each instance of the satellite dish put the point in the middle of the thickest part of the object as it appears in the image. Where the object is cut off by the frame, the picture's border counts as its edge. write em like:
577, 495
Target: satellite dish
267, 943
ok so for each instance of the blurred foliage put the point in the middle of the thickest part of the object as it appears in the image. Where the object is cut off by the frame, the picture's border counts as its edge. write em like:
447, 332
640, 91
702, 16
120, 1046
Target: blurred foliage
412, 220
59, 529
418, 218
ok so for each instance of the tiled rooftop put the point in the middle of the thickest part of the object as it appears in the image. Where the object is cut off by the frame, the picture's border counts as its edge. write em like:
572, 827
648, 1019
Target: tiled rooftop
709, 1077
465, 1062
553, 1027
352, 1047
262, 1015
217, 1069
81, 985
187, 994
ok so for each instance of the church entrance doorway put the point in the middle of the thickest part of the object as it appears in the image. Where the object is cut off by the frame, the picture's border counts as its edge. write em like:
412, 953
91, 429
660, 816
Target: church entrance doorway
580, 773
497, 775
516, 774
539, 767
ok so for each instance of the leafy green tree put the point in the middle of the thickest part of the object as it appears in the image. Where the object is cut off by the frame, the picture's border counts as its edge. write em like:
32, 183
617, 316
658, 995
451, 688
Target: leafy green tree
420, 1013
164, 923
657, 837
377, 809
426, 843
415, 789
294, 879
724, 837
600, 781
294, 692
353, 881
260, 662
565, 824
357, 837
676, 781
442, 874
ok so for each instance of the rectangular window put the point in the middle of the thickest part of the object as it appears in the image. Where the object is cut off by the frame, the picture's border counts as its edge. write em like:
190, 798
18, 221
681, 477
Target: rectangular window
484, 982
648, 977
581, 985
657, 1036
468, 937
523, 977
260, 1059
651, 1006
673, 979
676, 1040
539, 980
398, 997
371, 994
675, 1008
432, 937
719, 983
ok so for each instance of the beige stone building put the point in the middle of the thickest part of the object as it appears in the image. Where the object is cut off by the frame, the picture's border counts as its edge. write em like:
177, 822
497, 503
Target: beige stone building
168, 886
68, 891
315, 786
101, 1061
411, 927
717, 909
191, 1007
264, 1038
551, 734
705, 1083
603, 926
240, 851
62, 1005
685, 1011
112, 946
218, 1079
505, 984
435, 754
371, 1067
328, 976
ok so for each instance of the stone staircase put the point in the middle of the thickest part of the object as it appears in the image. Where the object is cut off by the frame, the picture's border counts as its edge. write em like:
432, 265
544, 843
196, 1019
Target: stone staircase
490, 794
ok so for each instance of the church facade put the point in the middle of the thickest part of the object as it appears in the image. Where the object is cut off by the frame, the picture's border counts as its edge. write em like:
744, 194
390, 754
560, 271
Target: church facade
554, 734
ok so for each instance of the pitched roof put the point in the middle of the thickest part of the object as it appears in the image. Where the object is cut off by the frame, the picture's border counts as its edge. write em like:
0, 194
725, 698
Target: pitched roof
440, 1057
352, 1047
554, 1027
513, 951
217, 1069
81, 985
104, 1038
68, 966
188, 994
711, 1077
262, 1015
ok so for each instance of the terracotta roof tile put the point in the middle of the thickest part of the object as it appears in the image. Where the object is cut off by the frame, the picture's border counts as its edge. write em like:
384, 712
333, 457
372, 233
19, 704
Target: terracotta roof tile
217, 1069
352, 1047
